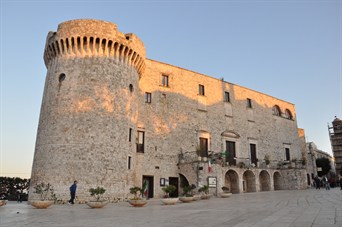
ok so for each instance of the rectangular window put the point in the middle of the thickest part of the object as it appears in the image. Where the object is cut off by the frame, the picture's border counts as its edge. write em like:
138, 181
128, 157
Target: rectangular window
165, 80
130, 135
287, 154
203, 147
249, 103
148, 97
226, 96
201, 89
140, 142
129, 162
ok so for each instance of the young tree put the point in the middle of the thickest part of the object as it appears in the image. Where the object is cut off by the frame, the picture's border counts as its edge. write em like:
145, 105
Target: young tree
10, 187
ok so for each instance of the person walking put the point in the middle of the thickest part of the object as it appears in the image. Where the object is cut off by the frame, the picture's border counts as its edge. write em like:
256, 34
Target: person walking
318, 183
73, 188
19, 197
326, 183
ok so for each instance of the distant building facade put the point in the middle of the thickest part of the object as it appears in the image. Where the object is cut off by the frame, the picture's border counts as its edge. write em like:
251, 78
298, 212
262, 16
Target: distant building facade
112, 118
317, 154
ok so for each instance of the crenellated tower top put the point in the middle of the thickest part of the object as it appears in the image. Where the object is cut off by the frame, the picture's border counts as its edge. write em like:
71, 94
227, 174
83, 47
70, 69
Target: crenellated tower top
94, 38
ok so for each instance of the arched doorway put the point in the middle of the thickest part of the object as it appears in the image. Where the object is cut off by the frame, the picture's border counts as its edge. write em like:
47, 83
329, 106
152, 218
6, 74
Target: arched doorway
265, 181
249, 181
183, 182
277, 181
232, 181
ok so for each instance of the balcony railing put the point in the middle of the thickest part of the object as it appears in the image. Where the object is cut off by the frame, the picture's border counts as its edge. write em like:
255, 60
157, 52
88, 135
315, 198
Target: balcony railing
221, 159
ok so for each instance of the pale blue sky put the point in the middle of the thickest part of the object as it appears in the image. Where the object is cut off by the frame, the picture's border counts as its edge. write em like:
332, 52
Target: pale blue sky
284, 48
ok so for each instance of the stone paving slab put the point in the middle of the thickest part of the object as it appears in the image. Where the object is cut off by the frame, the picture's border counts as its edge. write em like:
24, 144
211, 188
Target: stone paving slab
314, 208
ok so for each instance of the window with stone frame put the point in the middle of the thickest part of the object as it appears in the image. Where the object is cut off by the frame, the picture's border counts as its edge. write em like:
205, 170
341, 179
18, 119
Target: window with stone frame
130, 135
148, 97
141, 142
165, 80
129, 162
249, 103
276, 110
201, 90
287, 154
226, 96
203, 147
288, 114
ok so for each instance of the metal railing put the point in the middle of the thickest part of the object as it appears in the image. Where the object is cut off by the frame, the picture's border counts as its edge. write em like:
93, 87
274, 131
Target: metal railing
221, 159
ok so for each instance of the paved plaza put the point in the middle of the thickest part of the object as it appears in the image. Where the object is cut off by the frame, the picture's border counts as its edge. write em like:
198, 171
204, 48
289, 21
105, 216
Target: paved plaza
310, 207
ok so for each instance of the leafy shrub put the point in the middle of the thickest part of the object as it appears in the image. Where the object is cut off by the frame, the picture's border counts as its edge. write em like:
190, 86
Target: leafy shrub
205, 189
168, 190
137, 192
187, 190
97, 192
225, 189
45, 191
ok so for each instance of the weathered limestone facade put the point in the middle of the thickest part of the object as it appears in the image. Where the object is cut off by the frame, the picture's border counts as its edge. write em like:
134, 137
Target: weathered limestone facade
112, 118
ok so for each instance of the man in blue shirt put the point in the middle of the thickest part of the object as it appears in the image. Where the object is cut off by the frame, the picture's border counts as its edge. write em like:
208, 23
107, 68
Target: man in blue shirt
73, 188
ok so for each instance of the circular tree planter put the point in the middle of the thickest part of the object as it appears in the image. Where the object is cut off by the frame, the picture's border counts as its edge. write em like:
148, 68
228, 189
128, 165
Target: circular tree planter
225, 194
197, 197
169, 201
137, 202
205, 196
39, 204
3, 202
186, 199
96, 204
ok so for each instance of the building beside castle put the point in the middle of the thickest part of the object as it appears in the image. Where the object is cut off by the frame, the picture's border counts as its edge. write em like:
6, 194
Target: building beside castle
111, 117
309, 157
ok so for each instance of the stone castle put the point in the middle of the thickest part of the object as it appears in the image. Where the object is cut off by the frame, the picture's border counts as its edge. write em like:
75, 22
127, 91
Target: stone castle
111, 117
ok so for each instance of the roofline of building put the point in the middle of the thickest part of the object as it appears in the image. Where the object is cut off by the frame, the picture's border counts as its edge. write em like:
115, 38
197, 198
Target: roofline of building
220, 80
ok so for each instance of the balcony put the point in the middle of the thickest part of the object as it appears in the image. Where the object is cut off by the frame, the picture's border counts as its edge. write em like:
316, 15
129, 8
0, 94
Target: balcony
236, 162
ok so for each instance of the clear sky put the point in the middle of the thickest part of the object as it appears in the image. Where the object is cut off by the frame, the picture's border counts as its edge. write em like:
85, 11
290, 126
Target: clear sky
290, 49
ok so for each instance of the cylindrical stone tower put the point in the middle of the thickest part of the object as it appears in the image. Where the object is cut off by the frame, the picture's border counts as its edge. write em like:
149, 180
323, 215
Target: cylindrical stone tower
89, 107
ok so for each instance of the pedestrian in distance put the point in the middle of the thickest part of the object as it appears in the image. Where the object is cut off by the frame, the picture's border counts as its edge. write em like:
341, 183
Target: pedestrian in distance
19, 197
326, 183
318, 183
73, 188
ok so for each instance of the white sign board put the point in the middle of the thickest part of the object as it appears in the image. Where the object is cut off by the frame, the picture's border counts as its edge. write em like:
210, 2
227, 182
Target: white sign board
212, 182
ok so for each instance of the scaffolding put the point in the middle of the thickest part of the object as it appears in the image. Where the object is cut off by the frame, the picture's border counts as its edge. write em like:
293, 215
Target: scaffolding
335, 134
